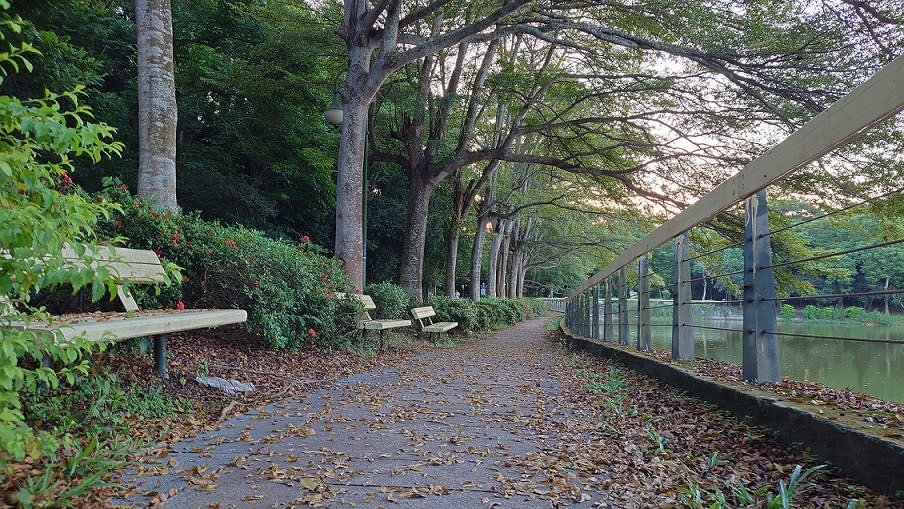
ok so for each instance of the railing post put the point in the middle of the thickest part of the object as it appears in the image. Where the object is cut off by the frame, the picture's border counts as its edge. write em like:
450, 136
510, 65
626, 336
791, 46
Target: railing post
568, 314
607, 312
644, 340
623, 334
682, 313
595, 332
761, 352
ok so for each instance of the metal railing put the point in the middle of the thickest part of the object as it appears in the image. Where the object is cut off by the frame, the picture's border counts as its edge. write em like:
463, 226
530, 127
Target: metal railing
599, 308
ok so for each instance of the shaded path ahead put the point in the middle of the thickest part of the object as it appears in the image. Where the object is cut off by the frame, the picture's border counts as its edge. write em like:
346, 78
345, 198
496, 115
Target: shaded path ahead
455, 428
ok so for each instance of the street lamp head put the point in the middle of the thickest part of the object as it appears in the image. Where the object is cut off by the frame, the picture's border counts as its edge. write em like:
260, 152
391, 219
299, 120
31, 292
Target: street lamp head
334, 115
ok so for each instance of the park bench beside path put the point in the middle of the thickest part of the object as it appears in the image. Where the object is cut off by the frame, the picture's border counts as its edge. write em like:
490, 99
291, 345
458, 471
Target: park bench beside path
135, 266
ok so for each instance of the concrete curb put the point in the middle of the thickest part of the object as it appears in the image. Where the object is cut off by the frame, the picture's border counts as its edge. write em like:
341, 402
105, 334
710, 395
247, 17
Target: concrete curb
870, 459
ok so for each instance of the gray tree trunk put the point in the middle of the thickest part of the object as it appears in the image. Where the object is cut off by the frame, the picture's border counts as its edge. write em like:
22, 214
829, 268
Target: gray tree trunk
412, 269
502, 271
452, 257
493, 259
477, 254
350, 177
157, 111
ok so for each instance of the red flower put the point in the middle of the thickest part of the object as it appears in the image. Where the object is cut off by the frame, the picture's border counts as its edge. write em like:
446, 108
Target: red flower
180, 305
230, 242
305, 239
124, 186
159, 253
66, 179
175, 240
118, 224
254, 283
153, 213
184, 279
312, 333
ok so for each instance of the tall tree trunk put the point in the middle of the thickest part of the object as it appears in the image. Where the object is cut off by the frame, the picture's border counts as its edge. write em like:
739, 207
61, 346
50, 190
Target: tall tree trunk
704, 286
157, 111
514, 269
458, 211
515, 273
477, 254
493, 259
350, 169
522, 274
452, 257
412, 269
502, 271
886, 297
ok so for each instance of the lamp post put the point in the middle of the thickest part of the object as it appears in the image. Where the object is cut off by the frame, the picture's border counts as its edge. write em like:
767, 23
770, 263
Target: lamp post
335, 114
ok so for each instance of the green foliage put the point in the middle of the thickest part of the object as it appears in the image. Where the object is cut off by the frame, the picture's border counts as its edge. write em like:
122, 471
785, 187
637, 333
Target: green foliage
787, 311
286, 287
84, 469
98, 405
486, 315
39, 141
853, 312
695, 497
392, 300
463, 311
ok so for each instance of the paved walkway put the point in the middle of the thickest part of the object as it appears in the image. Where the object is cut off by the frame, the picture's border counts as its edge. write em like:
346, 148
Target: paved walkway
460, 428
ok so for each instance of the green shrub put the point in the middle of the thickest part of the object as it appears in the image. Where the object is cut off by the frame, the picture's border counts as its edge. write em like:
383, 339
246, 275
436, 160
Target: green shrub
463, 311
854, 312
392, 300
286, 287
487, 314
787, 311
500, 312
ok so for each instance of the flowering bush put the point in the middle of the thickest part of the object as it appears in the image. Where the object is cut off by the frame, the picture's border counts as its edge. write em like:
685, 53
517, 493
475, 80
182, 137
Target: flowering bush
286, 287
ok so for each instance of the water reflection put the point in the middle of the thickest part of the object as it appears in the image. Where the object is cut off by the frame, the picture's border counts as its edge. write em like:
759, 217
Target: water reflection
872, 368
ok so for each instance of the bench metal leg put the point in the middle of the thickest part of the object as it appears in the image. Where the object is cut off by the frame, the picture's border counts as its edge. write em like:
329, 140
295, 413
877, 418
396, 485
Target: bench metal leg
160, 354
382, 349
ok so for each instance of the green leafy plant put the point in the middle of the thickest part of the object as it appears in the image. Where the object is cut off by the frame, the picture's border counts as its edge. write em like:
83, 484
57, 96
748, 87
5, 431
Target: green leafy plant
39, 140
787, 311
392, 300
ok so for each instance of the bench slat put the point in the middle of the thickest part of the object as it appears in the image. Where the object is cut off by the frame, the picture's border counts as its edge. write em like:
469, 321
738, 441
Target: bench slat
150, 323
367, 300
424, 312
385, 324
135, 265
441, 327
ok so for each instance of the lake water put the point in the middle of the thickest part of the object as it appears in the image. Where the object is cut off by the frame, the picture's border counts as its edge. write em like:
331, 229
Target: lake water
876, 369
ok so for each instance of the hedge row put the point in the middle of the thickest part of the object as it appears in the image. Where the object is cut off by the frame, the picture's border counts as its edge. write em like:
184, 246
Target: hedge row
286, 287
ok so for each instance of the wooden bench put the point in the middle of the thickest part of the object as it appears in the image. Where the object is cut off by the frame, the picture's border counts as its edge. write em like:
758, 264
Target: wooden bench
427, 313
366, 323
137, 267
